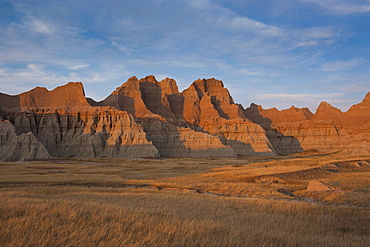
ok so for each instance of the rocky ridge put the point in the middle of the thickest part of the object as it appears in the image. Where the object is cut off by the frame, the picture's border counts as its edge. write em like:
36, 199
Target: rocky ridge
328, 130
150, 118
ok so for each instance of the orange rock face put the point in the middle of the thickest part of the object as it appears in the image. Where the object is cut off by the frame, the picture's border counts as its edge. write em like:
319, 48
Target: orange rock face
328, 130
198, 111
208, 105
70, 95
220, 98
243, 136
128, 98
150, 118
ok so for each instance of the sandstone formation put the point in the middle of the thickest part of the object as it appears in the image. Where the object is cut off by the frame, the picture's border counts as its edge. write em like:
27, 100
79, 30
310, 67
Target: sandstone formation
183, 142
70, 95
199, 112
210, 106
88, 132
315, 185
328, 130
65, 124
127, 98
150, 118
244, 137
356, 122
278, 125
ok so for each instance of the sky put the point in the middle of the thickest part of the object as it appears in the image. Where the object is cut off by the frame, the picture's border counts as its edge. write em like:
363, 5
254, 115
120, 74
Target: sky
276, 53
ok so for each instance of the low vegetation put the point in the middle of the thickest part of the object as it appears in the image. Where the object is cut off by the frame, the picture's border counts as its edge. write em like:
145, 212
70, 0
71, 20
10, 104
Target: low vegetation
186, 202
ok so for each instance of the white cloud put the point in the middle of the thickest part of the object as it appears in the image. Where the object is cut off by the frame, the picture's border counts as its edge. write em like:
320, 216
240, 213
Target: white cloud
214, 17
198, 4
121, 48
354, 88
39, 26
199, 28
342, 65
286, 96
343, 7
246, 24
249, 72
35, 67
320, 32
79, 66
308, 43
187, 39
310, 100
36, 75
315, 36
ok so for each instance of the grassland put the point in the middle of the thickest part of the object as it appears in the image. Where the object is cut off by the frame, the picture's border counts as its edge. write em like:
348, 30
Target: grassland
250, 201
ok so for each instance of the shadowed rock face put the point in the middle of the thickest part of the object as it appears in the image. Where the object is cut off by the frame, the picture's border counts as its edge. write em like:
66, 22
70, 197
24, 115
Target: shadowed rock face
177, 141
15, 147
150, 118
88, 132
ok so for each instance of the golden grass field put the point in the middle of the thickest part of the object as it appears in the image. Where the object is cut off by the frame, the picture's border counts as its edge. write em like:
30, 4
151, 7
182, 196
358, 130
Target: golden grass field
249, 201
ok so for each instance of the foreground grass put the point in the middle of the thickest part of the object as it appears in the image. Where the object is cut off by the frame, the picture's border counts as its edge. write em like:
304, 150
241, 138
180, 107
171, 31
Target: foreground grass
126, 217
87, 203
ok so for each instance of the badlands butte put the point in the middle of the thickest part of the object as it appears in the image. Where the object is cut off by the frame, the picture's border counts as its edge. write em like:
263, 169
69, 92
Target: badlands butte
150, 118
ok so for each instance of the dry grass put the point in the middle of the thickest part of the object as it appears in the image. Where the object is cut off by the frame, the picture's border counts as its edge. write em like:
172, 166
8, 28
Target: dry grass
125, 217
87, 203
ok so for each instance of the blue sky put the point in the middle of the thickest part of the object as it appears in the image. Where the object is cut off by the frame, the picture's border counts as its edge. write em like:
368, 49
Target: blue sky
274, 53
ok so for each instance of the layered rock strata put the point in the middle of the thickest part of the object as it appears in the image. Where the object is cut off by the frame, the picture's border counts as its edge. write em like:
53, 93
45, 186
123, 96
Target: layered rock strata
198, 111
64, 124
220, 116
328, 130
150, 118
85, 132
15, 147
177, 141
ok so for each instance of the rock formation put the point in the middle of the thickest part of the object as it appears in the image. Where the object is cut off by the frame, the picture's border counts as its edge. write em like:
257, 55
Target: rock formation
356, 122
279, 124
70, 95
315, 185
65, 124
15, 147
328, 130
210, 106
86, 132
150, 118
197, 113
177, 141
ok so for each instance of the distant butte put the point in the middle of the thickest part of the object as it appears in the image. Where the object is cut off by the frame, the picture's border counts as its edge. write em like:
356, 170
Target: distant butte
150, 118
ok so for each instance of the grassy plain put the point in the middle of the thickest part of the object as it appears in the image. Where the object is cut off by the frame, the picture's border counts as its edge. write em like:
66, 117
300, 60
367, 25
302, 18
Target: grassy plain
249, 201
